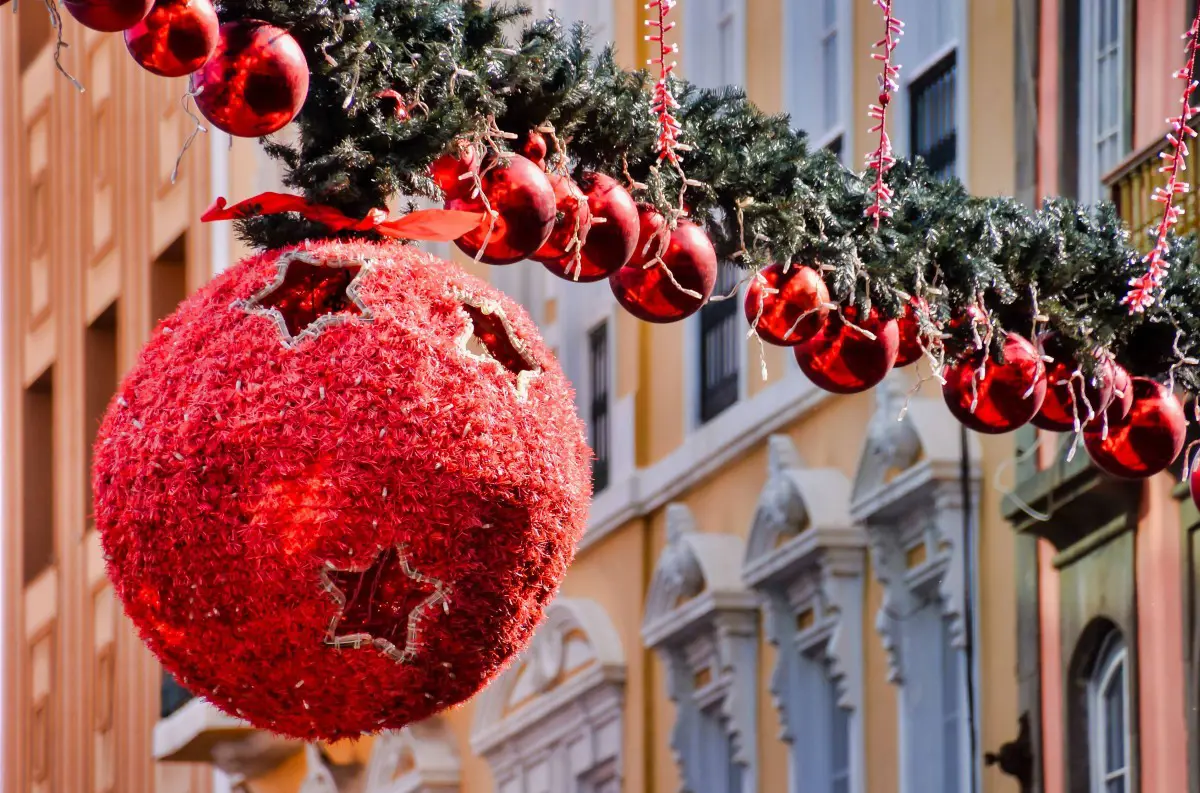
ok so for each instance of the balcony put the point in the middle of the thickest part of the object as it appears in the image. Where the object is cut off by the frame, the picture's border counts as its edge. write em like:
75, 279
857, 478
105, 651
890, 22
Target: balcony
1132, 186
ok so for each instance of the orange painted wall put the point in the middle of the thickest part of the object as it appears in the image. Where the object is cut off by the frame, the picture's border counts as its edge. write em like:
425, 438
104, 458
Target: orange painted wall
1053, 724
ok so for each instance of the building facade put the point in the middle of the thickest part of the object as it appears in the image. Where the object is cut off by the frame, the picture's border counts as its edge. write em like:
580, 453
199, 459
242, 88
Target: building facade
1107, 593
780, 590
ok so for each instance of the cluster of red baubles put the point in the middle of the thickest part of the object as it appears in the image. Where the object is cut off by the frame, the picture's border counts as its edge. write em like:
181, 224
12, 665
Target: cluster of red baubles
595, 230
582, 232
248, 78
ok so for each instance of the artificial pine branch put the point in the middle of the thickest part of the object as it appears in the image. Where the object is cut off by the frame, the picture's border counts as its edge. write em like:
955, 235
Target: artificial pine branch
463, 66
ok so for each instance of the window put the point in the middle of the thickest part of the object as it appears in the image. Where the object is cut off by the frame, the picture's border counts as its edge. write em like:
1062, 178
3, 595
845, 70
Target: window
918, 549
599, 368
703, 625
807, 567
1108, 719
715, 48
933, 122
720, 348
814, 61
1104, 95
553, 722
174, 696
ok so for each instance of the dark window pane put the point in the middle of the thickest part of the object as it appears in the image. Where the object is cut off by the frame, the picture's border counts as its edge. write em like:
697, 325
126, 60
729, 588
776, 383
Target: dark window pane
174, 696
599, 422
720, 338
934, 126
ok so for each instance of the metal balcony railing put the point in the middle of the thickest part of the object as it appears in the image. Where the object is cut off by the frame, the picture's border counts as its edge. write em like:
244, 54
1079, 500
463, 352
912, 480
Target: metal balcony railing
1131, 186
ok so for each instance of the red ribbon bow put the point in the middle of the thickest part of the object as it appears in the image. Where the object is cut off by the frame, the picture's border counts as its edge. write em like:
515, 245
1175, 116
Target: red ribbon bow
427, 225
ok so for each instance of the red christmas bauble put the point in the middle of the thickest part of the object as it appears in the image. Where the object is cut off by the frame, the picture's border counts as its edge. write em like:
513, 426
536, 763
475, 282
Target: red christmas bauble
256, 81
1121, 405
448, 172
176, 39
523, 211
787, 308
533, 147
1006, 397
1151, 438
842, 360
1194, 484
684, 259
613, 237
912, 333
339, 488
1074, 395
109, 16
573, 224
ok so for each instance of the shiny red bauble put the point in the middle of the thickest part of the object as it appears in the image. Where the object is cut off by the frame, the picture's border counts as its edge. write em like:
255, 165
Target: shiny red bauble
1074, 397
787, 307
256, 81
1122, 402
176, 39
1006, 397
519, 213
109, 16
572, 227
1194, 484
614, 235
842, 359
912, 332
534, 148
450, 172
1149, 440
683, 259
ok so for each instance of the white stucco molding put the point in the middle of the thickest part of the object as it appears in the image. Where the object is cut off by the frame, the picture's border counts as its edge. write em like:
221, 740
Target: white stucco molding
566, 691
703, 623
421, 758
806, 556
908, 494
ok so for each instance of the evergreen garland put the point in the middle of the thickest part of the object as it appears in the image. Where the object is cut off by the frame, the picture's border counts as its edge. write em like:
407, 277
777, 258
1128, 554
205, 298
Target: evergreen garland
467, 69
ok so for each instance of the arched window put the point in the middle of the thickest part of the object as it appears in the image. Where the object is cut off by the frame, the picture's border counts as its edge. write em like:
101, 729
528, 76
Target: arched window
1108, 719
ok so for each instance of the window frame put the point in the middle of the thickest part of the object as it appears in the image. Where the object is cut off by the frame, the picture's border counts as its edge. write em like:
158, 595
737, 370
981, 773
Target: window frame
805, 32
1113, 659
1089, 185
929, 79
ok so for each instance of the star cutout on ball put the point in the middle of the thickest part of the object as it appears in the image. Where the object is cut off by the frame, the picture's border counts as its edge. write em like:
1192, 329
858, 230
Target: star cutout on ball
382, 605
309, 295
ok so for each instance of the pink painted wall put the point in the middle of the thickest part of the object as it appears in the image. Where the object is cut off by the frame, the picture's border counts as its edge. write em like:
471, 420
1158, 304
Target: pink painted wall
1158, 53
1163, 723
1053, 725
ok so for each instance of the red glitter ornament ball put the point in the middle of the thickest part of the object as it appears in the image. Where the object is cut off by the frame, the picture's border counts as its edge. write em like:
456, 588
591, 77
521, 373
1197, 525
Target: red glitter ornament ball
842, 359
339, 488
912, 332
994, 398
1149, 440
1073, 395
573, 224
680, 280
522, 211
787, 308
176, 39
613, 237
256, 81
109, 16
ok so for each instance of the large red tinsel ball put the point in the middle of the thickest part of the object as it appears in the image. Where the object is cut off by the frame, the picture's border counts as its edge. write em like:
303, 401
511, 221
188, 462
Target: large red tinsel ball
787, 308
109, 16
573, 224
1074, 395
339, 488
666, 263
613, 237
519, 213
256, 81
842, 359
176, 39
1149, 440
995, 398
